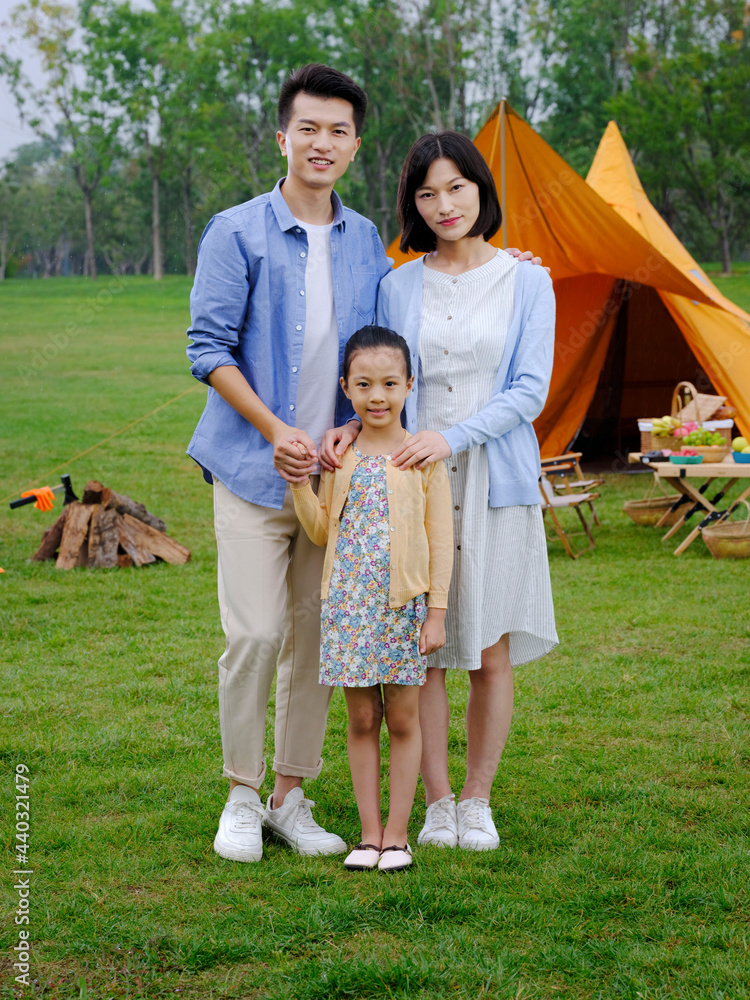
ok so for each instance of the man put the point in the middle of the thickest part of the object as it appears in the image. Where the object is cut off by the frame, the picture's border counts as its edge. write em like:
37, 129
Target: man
282, 282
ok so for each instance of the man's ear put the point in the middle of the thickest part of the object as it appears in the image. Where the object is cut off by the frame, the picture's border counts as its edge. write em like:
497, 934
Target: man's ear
359, 143
281, 139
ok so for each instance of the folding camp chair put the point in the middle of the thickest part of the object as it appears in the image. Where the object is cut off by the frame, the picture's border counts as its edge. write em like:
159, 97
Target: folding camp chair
552, 504
569, 478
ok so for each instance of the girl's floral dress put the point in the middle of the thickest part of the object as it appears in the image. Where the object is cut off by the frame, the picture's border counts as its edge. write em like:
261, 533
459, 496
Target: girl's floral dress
363, 641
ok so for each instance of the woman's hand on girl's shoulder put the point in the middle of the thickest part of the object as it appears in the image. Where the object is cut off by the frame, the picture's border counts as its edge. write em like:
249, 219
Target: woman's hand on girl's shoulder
334, 444
421, 449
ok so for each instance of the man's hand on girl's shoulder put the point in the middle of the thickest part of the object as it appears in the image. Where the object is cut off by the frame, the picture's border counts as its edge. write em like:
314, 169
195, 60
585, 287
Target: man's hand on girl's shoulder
525, 255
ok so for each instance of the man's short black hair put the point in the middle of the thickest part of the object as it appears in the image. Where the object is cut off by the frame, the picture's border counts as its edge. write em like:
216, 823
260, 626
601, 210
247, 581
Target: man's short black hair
321, 81
415, 233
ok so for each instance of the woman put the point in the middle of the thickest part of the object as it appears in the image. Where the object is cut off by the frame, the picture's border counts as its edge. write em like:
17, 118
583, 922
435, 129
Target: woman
481, 328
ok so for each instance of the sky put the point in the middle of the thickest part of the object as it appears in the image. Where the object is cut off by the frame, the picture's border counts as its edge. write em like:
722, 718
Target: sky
12, 132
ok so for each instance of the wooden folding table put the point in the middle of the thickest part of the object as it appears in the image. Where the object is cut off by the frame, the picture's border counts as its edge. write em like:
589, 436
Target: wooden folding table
692, 482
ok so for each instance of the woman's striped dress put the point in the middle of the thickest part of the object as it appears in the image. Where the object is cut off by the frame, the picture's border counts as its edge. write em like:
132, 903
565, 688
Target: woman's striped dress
501, 577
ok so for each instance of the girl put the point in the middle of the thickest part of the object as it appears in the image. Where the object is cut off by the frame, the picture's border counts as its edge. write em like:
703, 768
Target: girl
483, 326
384, 590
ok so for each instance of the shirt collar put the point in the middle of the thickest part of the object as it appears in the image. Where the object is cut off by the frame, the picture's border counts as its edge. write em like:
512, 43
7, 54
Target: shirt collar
284, 215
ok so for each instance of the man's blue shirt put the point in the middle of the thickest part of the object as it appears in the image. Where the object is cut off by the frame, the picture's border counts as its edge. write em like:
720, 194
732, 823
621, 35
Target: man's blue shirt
247, 310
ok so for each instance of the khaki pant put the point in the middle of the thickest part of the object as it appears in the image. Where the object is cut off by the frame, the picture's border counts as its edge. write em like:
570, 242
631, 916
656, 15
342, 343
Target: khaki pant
269, 600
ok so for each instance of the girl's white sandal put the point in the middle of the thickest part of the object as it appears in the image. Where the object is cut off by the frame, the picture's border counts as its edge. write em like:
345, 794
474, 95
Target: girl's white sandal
394, 859
362, 857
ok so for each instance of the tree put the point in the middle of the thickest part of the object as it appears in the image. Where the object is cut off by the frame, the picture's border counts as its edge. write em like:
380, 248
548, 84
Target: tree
699, 94
74, 108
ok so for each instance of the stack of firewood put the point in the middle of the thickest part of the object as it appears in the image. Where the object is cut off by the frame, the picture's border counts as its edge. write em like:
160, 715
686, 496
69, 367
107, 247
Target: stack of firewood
107, 529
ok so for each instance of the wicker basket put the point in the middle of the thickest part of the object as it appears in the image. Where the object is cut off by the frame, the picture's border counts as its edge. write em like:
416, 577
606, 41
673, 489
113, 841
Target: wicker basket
710, 452
704, 405
653, 506
649, 510
729, 539
701, 406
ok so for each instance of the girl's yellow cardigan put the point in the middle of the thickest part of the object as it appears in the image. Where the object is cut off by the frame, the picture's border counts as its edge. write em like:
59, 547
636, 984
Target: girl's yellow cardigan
420, 524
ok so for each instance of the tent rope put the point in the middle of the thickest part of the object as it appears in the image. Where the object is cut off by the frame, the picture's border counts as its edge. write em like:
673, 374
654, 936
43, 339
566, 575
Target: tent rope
109, 437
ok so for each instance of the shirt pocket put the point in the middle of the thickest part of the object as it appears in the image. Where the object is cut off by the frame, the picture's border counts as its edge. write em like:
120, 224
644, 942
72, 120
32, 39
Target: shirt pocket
365, 280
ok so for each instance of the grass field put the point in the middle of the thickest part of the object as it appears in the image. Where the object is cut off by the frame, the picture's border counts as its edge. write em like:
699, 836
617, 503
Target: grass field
622, 796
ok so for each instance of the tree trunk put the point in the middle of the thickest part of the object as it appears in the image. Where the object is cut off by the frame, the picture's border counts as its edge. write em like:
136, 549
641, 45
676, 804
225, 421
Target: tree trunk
156, 223
3, 248
89, 260
188, 213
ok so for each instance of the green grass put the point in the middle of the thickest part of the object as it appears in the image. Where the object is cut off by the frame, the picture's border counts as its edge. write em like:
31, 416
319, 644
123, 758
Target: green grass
621, 799
736, 287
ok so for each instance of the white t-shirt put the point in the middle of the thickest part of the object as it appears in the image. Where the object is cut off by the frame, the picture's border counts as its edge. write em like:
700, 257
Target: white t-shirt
319, 370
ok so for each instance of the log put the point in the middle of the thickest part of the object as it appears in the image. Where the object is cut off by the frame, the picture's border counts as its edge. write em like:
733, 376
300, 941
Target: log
161, 545
124, 505
132, 541
74, 534
95, 492
103, 538
51, 539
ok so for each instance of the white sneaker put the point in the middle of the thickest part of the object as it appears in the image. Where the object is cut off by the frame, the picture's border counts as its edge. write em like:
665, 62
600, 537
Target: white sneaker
476, 830
240, 837
293, 822
441, 824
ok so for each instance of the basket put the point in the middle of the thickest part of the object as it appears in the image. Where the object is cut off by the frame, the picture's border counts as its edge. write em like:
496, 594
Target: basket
650, 510
701, 406
729, 540
711, 452
701, 403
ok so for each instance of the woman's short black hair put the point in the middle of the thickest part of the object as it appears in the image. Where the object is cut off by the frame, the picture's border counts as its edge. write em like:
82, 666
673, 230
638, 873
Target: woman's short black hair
370, 338
321, 81
415, 233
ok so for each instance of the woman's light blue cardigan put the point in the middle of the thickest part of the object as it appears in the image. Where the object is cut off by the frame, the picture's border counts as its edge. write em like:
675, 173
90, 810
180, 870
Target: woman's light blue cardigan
520, 391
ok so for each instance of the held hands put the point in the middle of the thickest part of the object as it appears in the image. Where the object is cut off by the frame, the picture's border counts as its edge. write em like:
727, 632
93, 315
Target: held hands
335, 442
432, 635
294, 455
526, 255
422, 449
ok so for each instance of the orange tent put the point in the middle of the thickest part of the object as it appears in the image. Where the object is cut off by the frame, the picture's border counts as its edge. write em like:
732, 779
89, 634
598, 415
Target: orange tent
635, 313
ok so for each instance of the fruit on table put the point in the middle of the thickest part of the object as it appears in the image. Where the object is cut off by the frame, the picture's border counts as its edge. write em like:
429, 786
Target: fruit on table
746, 451
664, 426
704, 439
739, 444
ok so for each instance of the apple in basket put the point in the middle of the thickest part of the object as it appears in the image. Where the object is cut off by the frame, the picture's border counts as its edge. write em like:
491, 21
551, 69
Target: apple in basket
739, 444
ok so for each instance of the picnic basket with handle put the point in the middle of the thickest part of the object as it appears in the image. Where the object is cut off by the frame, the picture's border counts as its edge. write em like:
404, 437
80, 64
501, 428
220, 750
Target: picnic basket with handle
700, 407
729, 539
700, 403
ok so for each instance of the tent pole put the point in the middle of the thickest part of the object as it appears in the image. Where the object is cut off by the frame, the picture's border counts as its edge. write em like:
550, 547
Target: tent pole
504, 228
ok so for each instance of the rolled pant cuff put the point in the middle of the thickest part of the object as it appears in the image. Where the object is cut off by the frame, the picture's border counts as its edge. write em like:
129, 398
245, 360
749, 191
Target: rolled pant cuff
295, 771
245, 779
